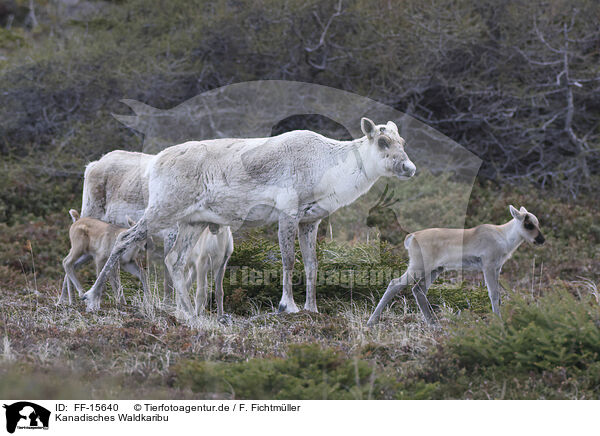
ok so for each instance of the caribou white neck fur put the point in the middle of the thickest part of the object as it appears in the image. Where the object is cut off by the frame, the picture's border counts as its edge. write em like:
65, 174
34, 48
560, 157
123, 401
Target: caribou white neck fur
352, 177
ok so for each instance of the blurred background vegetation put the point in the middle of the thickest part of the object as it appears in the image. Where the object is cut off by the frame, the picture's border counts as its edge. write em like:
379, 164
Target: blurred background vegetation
516, 82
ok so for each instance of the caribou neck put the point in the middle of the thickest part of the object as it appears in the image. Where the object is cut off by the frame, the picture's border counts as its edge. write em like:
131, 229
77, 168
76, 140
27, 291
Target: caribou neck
512, 236
355, 175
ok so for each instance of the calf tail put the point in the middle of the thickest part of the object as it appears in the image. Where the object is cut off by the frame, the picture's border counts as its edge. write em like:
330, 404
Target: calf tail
74, 215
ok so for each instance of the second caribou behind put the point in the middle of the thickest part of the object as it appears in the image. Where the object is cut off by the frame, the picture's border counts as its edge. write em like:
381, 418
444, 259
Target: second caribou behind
485, 248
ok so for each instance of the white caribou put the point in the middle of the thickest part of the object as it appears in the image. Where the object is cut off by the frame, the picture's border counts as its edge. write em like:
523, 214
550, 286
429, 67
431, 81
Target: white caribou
115, 187
294, 179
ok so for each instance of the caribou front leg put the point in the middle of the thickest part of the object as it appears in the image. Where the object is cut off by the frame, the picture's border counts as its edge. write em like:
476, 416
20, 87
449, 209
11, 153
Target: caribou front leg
491, 275
307, 236
135, 235
287, 236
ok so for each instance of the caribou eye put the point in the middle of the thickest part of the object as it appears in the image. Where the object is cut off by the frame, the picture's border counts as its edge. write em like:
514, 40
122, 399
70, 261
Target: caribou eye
529, 226
383, 143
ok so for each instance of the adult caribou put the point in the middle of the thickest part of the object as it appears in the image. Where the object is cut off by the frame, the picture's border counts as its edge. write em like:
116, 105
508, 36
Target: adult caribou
295, 179
115, 187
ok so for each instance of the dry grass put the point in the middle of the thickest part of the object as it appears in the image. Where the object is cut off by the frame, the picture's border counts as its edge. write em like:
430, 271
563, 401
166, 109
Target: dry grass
137, 344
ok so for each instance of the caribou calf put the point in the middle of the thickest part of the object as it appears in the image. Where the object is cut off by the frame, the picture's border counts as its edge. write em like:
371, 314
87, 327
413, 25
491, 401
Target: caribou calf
485, 248
211, 254
95, 238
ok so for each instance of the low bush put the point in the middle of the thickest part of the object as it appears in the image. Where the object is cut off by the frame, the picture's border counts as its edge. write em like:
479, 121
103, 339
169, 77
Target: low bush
308, 372
558, 330
545, 348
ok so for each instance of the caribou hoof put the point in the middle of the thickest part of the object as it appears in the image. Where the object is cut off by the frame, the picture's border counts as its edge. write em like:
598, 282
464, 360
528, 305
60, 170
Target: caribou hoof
288, 308
91, 301
225, 319
311, 308
372, 322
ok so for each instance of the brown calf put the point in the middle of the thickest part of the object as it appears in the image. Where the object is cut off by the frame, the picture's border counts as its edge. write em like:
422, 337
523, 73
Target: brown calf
95, 238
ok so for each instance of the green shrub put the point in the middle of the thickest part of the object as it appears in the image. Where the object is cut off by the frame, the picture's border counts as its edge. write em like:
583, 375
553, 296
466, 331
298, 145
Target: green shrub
459, 296
346, 271
555, 331
308, 372
547, 348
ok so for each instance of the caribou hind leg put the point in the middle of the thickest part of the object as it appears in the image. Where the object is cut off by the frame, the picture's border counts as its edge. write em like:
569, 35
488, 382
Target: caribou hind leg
392, 290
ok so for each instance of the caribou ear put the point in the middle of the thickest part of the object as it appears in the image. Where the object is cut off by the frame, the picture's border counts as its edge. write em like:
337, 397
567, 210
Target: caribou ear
368, 127
515, 213
523, 210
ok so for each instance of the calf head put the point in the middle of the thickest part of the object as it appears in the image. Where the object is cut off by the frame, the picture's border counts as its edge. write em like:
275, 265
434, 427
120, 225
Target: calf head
529, 227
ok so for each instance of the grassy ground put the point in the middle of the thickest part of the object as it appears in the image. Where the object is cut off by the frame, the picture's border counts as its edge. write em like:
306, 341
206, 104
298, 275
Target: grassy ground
546, 346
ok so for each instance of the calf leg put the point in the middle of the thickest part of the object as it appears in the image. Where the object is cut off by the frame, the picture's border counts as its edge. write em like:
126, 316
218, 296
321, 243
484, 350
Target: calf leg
219, 284
202, 290
70, 290
176, 260
66, 289
69, 267
307, 236
134, 235
287, 236
420, 293
392, 290
491, 274
168, 282
135, 269
83, 259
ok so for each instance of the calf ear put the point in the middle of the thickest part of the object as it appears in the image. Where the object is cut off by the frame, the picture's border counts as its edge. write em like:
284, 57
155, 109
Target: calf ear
515, 213
523, 210
368, 127
74, 215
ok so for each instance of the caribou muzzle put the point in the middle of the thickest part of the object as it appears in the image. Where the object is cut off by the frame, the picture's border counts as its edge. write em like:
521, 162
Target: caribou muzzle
404, 169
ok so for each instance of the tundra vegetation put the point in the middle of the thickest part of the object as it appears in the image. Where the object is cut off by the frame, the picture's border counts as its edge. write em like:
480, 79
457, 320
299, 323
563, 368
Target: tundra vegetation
516, 83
